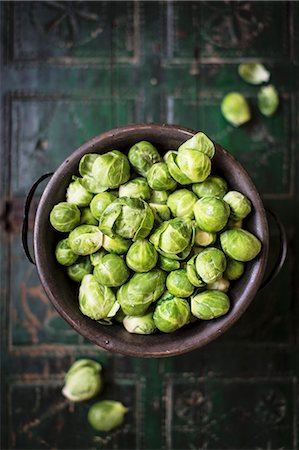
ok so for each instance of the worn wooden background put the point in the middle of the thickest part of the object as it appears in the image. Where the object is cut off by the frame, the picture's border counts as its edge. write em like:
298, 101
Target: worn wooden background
71, 70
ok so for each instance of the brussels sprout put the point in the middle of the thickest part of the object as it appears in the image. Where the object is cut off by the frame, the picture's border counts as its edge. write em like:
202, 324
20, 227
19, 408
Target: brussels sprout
192, 274
142, 256
82, 267
178, 284
77, 194
235, 108
85, 169
253, 73
140, 324
233, 224
106, 415
200, 142
64, 254
83, 380
159, 178
220, 285
65, 216
95, 258
87, 218
194, 164
111, 270
268, 100
111, 169
239, 205
100, 202
181, 203
142, 156
137, 188
212, 186
168, 264
211, 214
240, 244
209, 304
171, 160
117, 245
204, 238
127, 217
174, 238
85, 239
234, 269
159, 197
95, 300
171, 314
140, 291
161, 212
210, 264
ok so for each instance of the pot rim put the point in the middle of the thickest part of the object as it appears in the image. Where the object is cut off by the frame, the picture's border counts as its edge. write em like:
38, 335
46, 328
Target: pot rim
103, 338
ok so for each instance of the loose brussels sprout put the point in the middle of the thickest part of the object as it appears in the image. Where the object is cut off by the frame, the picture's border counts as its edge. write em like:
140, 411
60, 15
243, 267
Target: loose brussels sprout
209, 304
100, 202
87, 217
85, 239
204, 238
111, 271
240, 206
268, 100
130, 218
174, 238
171, 160
220, 285
83, 380
194, 164
210, 264
212, 186
192, 274
178, 284
82, 267
95, 300
137, 188
171, 314
159, 178
161, 212
117, 245
159, 197
253, 73
64, 254
200, 142
96, 258
140, 324
234, 269
77, 194
111, 169
142, 256
168, 264
240, 244
140, 291
65, 216
181, 203
106, 415
235, 108
85, 169
211, 214
142, 156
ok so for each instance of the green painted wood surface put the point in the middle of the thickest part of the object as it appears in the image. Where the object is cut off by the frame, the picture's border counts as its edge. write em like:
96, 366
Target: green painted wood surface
71, 70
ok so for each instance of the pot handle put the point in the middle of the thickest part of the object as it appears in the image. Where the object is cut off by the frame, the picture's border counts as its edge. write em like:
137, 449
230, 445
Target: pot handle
283, 246
26, 215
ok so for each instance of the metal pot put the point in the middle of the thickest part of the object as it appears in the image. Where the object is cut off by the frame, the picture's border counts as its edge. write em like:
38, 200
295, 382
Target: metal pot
63, 293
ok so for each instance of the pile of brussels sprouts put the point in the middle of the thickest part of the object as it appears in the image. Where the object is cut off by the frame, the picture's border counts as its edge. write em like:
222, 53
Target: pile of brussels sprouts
154, 242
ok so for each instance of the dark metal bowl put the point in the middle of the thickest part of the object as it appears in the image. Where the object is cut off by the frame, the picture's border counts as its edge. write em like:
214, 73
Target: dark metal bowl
63, 293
